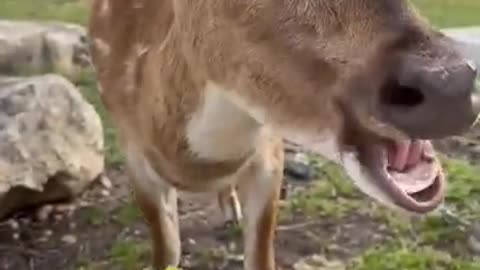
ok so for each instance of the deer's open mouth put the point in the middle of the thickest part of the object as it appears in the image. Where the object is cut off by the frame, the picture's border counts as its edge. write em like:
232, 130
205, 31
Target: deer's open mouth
408, 172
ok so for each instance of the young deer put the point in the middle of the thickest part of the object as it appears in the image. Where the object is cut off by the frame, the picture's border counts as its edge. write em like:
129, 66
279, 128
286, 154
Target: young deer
202, 93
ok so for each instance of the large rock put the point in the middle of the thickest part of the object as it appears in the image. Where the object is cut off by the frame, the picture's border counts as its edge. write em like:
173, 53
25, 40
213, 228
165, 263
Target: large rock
51, 141
43, 47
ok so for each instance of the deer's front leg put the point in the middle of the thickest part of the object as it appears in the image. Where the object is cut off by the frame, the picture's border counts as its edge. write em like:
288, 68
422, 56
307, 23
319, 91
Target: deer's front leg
259, 193
158, 202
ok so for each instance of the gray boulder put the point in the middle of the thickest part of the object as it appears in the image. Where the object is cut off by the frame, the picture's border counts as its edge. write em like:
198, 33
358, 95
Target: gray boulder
43, 47
51, 142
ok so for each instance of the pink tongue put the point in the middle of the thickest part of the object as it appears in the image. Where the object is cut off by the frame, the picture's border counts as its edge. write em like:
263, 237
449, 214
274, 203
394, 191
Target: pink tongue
405, 154
407, 168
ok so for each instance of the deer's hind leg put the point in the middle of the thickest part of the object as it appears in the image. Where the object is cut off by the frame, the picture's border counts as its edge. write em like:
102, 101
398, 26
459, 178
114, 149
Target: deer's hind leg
230, 205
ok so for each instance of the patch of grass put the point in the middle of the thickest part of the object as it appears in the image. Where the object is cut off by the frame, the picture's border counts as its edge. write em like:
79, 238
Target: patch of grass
94, 216
442, 13
235, 230
450, 13
129, 255
87, 84
128, 214
463, 187
411, 258
332, 195
74, 11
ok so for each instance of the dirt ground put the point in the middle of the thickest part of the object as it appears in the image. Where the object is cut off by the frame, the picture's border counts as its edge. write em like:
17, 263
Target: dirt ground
207, 242
105, 231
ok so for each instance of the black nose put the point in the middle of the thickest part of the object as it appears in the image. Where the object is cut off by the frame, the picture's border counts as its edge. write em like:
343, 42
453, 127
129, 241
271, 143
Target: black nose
429, 101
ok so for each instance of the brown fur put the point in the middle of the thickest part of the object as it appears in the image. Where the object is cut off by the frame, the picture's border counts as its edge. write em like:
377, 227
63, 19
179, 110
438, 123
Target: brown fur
301, 64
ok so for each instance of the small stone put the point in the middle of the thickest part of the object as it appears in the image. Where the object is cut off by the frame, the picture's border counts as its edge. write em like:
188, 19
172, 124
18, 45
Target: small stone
475, 230
474, 245
318, 262
231, 246
16, 236
192, 241
13, 224
58, 217
65, 209
299, 167
72, 225
301, 158
106, 182
83, 203
48, 233
105, 193
474, 239
25, 221
44, 212
42, 239
69, 239
235, 257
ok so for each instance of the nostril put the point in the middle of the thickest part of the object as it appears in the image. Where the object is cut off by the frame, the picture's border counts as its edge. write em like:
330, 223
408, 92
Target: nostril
394, 94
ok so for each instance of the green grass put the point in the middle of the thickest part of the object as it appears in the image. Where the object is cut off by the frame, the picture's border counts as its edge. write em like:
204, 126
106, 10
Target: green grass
128, 214
74, 11
128, 255
86, 83
410, 258
94, 216
441, 12
449, 13
426, 243
429, 242
332, 196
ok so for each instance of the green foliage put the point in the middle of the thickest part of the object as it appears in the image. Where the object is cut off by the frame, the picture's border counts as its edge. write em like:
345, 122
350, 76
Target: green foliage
410, 258
441, 12
87, 84
94, 216
332, 195
450, 13
74, 11
128, 214
463, 184
129, 255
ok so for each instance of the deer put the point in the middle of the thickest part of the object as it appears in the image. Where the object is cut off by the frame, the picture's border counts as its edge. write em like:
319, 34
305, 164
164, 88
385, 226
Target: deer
203, 93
